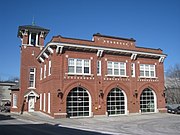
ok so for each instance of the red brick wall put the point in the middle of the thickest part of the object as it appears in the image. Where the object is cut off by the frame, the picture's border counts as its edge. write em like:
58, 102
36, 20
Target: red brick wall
60, 80
93, 83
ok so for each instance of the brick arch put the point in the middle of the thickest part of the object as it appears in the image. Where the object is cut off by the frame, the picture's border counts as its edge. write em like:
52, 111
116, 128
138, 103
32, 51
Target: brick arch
154, 90
116, 85
121, 86
148, 85
78, 84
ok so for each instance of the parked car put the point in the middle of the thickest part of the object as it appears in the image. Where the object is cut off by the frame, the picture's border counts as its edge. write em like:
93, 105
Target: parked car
176, 110
169, 109
6, 107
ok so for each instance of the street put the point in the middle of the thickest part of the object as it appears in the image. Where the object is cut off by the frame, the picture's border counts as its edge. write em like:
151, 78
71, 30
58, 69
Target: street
40, 124
11, 126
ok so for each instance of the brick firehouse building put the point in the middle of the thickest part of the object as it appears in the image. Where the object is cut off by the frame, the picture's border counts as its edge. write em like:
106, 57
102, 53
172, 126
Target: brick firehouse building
83, 78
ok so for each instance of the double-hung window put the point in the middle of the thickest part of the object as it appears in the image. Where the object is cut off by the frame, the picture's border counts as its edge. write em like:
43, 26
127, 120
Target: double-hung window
147, 70
14, 100
133, 69
116, 68
44, 71
41, 71
32, 73
86, 66
49, 71
79, 66
98, 67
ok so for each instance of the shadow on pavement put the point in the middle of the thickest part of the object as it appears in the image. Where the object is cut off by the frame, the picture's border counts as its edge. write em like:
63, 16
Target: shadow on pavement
41, 129
5, 117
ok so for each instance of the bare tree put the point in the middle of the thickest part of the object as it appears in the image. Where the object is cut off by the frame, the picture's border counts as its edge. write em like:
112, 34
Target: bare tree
173, 85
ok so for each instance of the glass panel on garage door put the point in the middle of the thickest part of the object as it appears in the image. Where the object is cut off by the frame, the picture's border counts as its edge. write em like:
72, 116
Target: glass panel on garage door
115, 102
78, 103
147, 103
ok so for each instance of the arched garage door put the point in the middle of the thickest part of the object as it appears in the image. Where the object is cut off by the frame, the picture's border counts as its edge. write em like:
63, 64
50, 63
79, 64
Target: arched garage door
78, 103
116, 102
148, 101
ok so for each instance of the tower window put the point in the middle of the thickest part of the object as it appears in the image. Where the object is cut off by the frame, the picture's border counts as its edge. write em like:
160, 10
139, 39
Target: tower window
33, 39
32, 77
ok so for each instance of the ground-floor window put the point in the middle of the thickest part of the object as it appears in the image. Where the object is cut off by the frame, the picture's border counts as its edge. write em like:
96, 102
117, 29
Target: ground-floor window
14, 100
49, 103
78, 103
147, 101
116, 102
44, 109
40, 106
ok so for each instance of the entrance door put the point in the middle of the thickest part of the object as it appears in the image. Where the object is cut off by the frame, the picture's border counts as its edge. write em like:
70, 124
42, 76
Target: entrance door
31, 104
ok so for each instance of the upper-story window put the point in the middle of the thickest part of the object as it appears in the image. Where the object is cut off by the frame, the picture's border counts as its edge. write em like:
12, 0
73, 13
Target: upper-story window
44, 71
116, 68
14, 100
32, 74
41, 71
98, 67
147, 70
133, 69
33, 39
78, 66
49, 71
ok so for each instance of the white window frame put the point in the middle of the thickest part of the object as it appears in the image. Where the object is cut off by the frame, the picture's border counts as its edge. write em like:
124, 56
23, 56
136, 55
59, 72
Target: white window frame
40, 106
75, 65
49, 102
147, 68
44, 71
119, 68
49, 69
14, 100
133, 70
41, 71
99, 68
44, 107
34, 78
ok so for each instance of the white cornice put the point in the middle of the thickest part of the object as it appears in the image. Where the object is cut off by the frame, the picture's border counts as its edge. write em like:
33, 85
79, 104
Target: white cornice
99, 48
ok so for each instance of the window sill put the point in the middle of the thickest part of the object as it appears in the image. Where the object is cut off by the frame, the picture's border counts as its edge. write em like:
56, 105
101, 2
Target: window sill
31, 88
79, 74
144, 77
14, 107
122, 76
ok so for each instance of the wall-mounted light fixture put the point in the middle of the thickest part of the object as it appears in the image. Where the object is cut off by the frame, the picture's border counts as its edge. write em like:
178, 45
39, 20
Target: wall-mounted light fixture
101, 94
59, 93
164, 94
135, 94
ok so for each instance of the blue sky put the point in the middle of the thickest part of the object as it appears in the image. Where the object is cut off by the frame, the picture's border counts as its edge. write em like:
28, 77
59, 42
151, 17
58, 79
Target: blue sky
153, 23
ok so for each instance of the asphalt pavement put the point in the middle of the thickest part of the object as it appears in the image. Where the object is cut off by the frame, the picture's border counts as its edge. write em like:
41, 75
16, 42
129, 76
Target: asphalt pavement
149, 124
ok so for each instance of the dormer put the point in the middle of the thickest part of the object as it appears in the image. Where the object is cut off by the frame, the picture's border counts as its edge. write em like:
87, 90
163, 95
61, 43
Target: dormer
32, 35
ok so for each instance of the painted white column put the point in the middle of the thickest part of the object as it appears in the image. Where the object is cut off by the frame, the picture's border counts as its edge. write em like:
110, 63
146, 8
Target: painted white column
37, 39
29, 38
